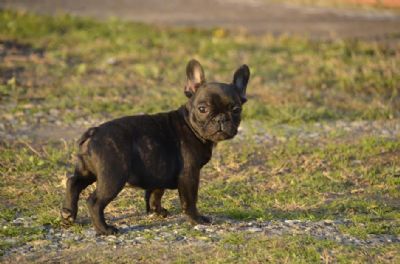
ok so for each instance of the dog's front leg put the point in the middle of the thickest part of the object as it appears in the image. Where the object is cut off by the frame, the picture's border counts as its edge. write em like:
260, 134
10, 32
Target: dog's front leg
188, 187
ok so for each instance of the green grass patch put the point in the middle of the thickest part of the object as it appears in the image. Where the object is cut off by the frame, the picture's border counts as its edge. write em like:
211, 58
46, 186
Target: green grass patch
298, 180
86, 68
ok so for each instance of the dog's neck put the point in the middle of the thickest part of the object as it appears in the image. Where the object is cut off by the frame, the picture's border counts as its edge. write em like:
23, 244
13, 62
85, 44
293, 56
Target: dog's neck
185, 114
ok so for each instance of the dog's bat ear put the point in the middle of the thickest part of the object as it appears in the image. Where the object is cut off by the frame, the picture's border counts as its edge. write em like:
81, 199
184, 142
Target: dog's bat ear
195, 77
240, 80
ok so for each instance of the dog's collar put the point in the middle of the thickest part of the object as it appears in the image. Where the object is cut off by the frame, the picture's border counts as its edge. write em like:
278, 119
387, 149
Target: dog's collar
185, 114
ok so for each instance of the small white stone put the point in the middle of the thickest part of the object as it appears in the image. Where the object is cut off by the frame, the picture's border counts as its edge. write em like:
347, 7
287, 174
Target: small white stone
254, 229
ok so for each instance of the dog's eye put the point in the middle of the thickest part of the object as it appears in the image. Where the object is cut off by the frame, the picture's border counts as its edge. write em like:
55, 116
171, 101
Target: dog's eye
236, 110
203, 109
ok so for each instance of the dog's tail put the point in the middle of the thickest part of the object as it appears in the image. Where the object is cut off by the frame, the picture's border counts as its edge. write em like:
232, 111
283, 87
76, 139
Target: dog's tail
89, 133
81, 168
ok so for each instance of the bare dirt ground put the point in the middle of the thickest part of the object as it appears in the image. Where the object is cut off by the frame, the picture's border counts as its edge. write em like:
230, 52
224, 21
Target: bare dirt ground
255, 16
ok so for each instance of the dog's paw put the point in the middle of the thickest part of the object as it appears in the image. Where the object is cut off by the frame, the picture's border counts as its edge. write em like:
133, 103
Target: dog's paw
109, 230
200, 220
67, 217
205, 219
162, 212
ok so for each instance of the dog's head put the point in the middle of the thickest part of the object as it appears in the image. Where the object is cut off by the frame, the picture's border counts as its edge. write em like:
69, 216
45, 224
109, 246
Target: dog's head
214, 109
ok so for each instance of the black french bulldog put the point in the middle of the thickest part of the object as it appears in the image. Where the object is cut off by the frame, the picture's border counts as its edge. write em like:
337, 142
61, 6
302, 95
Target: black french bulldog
157, 152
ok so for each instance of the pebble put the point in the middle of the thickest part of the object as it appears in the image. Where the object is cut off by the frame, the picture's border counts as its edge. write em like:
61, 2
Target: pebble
54, 112
200, 227
59, 239
180, 238
254, 229
10, 241
90, 233
18, 221
111, 61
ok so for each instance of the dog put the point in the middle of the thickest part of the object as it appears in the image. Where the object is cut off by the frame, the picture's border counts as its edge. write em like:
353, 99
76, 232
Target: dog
157, 152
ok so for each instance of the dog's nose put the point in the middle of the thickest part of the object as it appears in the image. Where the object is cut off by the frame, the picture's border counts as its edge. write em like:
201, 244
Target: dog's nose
221, 118
221, 121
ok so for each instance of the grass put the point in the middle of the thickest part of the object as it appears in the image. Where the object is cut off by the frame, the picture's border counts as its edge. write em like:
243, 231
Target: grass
301, 181
70, 70
242, 248
81, 67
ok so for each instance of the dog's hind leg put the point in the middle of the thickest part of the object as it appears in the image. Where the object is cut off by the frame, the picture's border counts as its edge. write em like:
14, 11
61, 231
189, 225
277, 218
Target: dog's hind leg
147, 195
81, 179
98, 201
153, 202
75, 185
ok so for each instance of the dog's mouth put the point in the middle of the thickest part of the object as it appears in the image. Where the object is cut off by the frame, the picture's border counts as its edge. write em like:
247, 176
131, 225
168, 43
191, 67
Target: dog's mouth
217, 132
220, 135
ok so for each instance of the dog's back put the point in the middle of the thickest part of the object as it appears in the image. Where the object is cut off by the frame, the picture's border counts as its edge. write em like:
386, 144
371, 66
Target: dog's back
144, 148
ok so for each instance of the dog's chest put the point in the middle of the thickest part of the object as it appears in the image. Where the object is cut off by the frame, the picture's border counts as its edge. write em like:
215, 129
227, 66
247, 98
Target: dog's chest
156, 162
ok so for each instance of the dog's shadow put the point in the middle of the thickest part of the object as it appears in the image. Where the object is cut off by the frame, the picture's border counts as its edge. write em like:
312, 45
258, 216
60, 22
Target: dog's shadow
150, 226
124, 222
